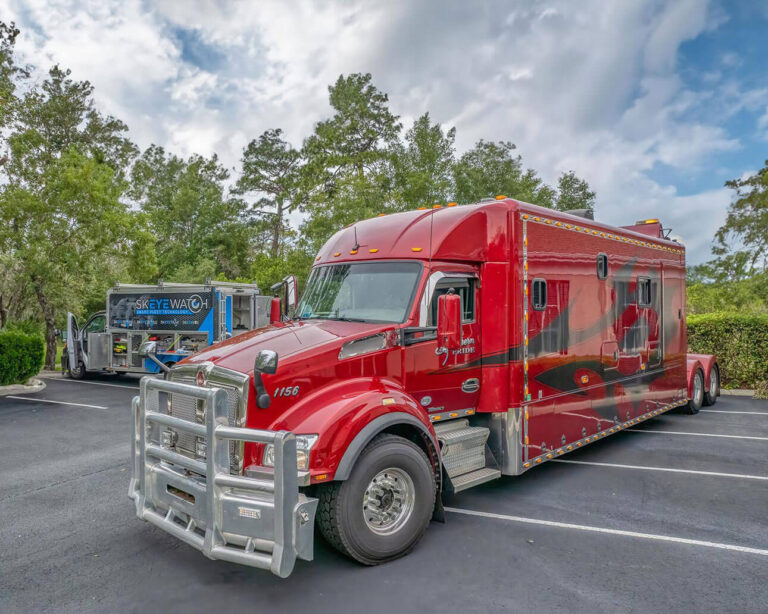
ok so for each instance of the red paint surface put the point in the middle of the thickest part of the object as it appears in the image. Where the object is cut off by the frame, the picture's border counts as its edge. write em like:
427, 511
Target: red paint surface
576, 386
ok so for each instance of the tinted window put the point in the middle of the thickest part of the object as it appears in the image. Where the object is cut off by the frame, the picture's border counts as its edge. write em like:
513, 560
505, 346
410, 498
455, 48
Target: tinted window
602, 266
539, 294
644, 292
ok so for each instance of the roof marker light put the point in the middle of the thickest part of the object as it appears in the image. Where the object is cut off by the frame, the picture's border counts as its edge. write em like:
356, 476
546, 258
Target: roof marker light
373, 250
500, 197
416, 249
451, 204
421, 209
381, 215
337, 254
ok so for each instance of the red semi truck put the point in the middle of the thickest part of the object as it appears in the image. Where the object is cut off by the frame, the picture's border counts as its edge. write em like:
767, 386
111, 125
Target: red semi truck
431, 351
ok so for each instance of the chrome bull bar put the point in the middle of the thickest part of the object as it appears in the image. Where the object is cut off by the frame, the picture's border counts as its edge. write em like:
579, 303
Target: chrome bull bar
261, 522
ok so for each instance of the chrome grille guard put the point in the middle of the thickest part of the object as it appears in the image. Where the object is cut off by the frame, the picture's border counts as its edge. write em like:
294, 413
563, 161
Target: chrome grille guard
264, 523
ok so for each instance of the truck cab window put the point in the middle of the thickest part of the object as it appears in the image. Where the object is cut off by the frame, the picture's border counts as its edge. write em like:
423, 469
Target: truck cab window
96, 324
464, 287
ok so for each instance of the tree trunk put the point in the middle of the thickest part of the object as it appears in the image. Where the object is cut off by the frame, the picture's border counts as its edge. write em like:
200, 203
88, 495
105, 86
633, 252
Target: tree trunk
50, 326
277, 229
3, 313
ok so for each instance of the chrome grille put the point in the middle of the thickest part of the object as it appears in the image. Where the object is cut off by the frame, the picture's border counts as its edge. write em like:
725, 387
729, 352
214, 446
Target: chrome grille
187, 408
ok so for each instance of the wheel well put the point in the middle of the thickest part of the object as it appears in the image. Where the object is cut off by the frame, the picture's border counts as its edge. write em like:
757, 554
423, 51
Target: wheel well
421, 439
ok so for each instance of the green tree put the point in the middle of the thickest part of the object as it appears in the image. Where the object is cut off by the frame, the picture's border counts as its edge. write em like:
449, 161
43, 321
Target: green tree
348, 173
64, 234
62, 219
741, 244
271, 172
573, 193
424, 167
193, 221
491, 168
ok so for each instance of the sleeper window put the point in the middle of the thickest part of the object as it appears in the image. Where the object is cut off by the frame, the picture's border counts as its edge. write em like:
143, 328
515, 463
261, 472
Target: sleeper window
539, 294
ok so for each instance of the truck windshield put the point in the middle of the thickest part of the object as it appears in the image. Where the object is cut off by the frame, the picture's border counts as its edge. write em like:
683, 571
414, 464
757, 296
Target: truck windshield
363, 292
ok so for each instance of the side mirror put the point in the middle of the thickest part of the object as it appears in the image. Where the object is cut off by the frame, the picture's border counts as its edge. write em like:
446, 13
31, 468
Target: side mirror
291, 293
290, 289
449, 321
274, 311
266, 362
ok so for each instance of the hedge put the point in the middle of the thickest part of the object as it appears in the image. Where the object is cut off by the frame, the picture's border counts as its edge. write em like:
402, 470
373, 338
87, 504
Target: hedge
21, 356
740, 343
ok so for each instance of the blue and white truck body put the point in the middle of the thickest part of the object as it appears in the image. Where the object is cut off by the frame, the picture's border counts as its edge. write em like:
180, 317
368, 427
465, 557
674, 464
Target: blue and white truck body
181, 318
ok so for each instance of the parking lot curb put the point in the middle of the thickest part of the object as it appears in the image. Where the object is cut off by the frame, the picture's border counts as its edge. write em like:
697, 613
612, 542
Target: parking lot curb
32, 385
738, 392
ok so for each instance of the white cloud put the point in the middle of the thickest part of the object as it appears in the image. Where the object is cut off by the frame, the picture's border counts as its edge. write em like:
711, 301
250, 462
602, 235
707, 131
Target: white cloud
593, 87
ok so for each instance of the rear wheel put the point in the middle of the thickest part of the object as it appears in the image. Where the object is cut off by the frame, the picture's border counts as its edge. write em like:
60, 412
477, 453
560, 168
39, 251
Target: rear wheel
383, 509
694, 405
711, 394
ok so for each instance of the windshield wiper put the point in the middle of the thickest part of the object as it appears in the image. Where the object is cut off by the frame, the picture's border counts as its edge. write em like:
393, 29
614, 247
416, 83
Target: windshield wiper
346, 319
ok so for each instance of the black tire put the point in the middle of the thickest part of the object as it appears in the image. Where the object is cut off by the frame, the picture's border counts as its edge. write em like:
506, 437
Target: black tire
694, 404
341, 513
78, 372
713, 390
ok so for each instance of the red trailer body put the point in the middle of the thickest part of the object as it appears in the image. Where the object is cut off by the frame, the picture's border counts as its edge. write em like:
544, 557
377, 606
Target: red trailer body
571, 331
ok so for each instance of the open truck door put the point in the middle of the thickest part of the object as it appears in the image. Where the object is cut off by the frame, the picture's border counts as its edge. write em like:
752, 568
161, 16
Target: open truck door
75, 367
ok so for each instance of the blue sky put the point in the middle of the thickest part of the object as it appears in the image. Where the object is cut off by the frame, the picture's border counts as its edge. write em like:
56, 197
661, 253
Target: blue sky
656, 103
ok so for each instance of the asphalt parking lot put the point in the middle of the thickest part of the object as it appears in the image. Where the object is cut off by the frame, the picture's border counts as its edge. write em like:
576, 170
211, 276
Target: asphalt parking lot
672, 516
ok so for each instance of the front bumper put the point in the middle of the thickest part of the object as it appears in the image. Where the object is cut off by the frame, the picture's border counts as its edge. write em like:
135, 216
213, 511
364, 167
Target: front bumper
262, 522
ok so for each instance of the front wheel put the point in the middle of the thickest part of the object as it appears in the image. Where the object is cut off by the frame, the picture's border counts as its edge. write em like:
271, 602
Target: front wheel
695, 403
710, 396
383, 509
77, 372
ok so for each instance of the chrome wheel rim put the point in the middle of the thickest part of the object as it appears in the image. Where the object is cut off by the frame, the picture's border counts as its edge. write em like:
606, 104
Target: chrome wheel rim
713, 383
389, 501
698, 388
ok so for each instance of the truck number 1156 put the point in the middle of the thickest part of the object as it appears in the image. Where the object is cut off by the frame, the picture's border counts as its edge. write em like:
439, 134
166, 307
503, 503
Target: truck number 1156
287, 391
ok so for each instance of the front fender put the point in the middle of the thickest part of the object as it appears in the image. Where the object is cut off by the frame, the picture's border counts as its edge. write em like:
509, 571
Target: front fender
346, 416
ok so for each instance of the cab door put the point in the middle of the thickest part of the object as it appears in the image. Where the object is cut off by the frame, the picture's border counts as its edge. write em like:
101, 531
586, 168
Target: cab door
442, 380
74, 350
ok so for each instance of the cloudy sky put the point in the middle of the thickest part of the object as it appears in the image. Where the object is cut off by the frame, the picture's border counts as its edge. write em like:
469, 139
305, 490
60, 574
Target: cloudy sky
655, 103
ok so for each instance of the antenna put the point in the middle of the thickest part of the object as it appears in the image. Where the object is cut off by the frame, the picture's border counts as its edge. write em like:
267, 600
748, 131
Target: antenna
356, 246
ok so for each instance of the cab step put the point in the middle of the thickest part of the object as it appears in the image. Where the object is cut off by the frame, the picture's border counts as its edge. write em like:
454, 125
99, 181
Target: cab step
463, 452
475, 478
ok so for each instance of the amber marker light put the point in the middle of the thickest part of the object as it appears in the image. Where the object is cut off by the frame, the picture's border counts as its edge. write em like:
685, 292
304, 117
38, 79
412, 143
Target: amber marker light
337, 254
373, 250
500, 197
416, 249
437, 206
352, 252
451, 204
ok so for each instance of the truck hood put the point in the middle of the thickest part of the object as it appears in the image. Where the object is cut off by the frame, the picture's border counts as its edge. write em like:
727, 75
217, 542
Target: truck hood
290, 340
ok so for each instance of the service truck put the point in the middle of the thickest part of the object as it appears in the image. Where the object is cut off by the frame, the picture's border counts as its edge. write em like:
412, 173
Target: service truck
431, 351
181, 318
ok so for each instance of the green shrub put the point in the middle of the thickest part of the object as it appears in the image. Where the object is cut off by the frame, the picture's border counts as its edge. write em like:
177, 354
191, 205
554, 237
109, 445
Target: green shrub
740, 343
21, 356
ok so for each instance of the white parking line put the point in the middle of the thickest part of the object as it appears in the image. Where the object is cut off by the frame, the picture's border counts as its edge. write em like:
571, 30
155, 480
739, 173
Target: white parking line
698, 434
668, 469
583, 527
55, 402
77, 381
724, 411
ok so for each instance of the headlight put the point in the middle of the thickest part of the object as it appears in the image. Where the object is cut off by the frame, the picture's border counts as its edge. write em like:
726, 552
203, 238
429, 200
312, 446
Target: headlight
304, 444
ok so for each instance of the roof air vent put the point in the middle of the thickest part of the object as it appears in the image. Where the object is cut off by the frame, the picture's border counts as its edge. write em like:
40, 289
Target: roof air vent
585, 213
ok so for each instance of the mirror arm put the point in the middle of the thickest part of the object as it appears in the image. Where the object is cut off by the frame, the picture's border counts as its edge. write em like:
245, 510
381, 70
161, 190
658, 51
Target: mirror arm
262, 396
